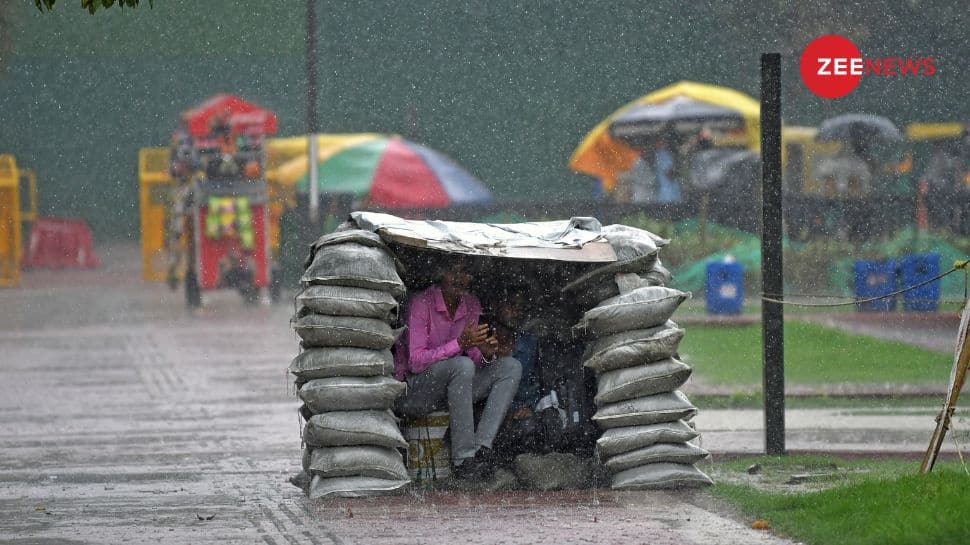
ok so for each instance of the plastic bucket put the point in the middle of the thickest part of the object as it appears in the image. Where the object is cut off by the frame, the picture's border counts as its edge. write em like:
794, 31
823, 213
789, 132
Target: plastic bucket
429, 456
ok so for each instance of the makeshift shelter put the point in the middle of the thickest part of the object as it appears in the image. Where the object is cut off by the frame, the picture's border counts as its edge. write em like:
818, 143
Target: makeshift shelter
606, 352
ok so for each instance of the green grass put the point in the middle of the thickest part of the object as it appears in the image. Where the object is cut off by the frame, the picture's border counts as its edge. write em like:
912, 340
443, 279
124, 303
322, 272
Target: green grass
813, 355
865, 502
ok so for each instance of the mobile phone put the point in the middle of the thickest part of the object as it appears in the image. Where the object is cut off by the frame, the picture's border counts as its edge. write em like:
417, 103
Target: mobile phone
488, 318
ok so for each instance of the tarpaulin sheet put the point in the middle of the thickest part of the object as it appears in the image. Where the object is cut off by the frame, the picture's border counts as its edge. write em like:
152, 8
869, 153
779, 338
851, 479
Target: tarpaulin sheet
576, 239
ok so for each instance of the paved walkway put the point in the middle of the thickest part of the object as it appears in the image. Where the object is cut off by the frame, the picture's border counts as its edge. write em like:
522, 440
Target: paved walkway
124, 418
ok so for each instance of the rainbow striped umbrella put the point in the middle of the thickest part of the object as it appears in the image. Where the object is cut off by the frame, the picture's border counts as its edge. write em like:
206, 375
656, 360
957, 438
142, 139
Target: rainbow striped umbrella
387, 172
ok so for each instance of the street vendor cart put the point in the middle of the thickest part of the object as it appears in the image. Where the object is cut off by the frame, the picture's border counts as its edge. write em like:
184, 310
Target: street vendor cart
218, 233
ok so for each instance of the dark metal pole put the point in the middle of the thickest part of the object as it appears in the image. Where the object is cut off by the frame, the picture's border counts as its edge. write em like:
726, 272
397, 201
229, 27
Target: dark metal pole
311, 108
772, 314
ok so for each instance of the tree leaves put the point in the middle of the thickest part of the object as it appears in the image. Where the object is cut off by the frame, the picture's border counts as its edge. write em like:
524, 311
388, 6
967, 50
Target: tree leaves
93, 5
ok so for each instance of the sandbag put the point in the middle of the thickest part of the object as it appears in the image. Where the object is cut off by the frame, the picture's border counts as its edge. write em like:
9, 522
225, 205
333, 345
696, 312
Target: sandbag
641, 308
348, 301
631, 242
666, 407
363, 461
601, 279
350, 393
661, 475
324, 330
630, 348
641, 380
307, 456
619, 440
627, 282
347, 361
354, 265
678, 453
636, 252
344, 233
353, 487
658, 275
592, 293
347, 428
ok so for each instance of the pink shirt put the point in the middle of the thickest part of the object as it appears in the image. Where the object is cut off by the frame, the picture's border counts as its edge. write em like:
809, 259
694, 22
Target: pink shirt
432, 335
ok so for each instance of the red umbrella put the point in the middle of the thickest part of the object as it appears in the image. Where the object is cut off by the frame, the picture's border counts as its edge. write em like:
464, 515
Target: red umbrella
243, 116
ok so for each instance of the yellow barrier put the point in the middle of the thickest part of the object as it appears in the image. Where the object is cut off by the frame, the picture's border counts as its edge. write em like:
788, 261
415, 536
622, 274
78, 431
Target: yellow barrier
154, 188
28, 180
10, 234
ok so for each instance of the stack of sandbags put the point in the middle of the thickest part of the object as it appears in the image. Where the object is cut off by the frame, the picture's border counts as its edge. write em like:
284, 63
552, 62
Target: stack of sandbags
637, 265
344, 316
632, 347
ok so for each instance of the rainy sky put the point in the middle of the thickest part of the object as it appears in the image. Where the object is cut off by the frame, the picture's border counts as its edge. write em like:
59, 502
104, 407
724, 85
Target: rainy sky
506, 89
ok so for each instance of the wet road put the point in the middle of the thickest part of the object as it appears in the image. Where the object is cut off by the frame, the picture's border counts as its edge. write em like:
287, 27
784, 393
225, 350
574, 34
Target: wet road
126, 419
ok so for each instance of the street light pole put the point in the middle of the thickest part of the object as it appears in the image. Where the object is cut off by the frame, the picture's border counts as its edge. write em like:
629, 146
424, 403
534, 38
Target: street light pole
772, 280
311, 109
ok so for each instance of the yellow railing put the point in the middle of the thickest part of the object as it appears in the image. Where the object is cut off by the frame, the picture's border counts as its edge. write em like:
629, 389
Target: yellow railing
10, 234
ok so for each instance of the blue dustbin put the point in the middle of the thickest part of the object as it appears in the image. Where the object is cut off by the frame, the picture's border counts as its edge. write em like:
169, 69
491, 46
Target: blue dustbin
914, 269
872, 279
724, 287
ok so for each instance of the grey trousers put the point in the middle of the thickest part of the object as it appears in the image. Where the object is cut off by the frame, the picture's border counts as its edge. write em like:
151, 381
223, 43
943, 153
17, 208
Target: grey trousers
455, 384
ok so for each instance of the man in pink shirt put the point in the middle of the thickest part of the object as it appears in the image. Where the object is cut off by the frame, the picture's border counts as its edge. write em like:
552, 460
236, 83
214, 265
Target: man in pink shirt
449, 361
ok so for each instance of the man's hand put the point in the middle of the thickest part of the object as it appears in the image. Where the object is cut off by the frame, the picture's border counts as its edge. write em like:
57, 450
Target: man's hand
473, 335
489, 347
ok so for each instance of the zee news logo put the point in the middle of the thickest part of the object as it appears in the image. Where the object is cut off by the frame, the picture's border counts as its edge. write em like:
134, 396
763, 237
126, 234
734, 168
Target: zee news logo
831, 66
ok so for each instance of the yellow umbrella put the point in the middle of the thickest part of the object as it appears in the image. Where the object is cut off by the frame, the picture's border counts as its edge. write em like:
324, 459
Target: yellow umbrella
603, 156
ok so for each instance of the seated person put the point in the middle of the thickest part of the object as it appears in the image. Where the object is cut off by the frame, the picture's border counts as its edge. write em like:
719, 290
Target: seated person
519, 434
449, 361
523, 346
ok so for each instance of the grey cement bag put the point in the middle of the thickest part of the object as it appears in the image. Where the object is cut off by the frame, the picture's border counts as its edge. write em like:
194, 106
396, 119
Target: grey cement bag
323, 330
345, 361
346, 428
627, 282
642, 380
666, 407
661, 475
658, 275
631, 348
354, 265
641, 308
344, 236
353, 487
347, 301
629, 243
615, 284
307, 456
350, 393
619, 440
636, 252
678, 453
363, 461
